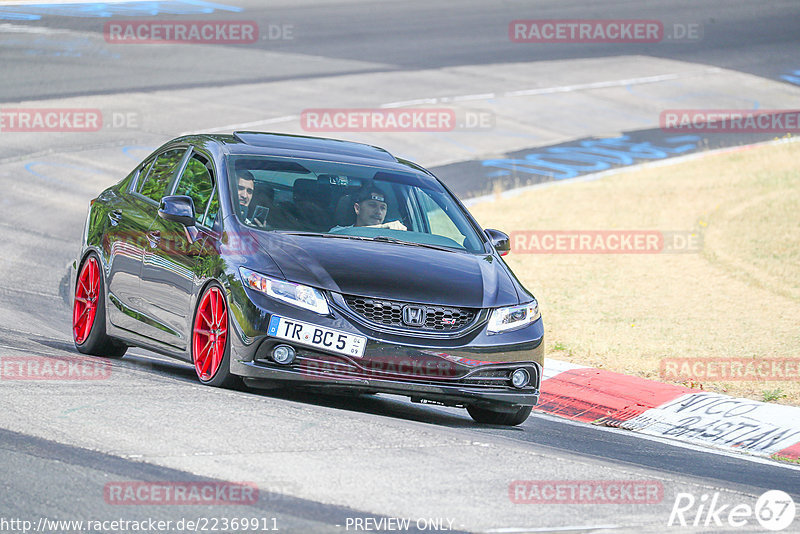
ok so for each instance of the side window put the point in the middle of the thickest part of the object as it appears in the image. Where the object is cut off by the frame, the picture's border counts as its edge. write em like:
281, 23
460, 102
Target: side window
160, 173
141, 174
438, 220
198, 183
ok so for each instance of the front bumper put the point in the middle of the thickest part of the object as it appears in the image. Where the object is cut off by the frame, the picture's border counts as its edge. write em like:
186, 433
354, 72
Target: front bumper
445, 394
473, 369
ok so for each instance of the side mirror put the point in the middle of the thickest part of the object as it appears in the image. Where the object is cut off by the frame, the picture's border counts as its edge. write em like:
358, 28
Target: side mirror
499, 241
177, 208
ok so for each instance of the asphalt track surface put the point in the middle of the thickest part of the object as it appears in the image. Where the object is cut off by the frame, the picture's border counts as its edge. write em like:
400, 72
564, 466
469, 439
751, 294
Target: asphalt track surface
393, 36
319, 460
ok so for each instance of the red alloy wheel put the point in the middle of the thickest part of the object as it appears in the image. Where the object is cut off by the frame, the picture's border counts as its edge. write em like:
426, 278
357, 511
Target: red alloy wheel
210, 333
84, 310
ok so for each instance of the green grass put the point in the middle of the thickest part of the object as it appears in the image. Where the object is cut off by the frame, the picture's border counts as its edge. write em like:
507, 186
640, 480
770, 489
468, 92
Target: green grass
773, 395
737, 297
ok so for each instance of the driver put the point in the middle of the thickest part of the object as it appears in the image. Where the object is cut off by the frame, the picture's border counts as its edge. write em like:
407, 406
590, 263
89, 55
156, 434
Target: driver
370, 207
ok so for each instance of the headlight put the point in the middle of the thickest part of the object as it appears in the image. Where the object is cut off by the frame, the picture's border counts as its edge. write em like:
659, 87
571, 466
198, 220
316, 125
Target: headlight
294, 294
512, 317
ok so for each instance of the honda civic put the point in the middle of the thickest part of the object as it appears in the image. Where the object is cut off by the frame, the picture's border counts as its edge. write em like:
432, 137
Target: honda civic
279, 260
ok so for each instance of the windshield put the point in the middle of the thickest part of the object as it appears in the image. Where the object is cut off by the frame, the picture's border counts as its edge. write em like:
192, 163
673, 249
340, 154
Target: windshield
338, 199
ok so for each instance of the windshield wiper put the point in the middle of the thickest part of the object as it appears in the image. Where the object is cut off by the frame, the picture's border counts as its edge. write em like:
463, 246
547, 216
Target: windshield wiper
386, 239
320, 234
381, 238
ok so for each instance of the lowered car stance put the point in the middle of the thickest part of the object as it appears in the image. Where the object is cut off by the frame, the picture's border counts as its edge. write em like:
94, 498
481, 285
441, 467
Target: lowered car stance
280, 260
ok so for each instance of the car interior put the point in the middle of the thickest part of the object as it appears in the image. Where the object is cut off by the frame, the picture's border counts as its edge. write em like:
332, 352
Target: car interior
312, 203
289, 197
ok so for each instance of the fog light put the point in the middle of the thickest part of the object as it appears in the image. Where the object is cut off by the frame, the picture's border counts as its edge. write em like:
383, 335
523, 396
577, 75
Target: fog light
283, 354
520, 378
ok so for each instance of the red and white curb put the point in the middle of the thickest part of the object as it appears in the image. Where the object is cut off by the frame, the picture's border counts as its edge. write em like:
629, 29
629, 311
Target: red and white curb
702, 418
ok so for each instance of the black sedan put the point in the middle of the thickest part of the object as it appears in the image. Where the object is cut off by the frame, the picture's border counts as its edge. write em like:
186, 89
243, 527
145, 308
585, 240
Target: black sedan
306, 262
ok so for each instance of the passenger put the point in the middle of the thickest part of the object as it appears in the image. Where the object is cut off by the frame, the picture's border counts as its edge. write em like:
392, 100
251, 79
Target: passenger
246, 186
245, 189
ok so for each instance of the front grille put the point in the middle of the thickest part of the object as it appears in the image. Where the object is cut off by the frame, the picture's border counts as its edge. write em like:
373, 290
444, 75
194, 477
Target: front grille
390, 313
324, 366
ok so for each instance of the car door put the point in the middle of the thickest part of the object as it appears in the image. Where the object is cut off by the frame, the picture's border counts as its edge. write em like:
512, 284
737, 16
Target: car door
172, 262
128, 238
126, 220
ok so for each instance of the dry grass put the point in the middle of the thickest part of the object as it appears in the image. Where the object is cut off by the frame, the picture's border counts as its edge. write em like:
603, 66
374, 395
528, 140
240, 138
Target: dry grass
739, 297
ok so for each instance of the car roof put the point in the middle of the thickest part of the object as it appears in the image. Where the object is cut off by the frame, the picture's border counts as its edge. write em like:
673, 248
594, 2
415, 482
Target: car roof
299, 146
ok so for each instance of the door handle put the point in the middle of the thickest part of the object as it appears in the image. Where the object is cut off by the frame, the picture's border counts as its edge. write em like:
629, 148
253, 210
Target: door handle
114, 216
153, 237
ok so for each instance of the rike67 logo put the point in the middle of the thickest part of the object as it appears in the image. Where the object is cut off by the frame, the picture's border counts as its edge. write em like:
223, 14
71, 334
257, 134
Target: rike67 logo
774, 511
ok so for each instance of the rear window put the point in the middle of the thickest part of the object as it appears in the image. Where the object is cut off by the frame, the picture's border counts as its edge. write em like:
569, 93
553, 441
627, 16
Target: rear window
155, 183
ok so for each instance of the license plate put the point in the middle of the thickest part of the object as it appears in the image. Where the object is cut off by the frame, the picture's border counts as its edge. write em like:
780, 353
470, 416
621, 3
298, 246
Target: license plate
316, 336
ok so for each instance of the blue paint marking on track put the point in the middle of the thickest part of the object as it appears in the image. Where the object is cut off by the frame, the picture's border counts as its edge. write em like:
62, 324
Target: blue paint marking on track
128, 149
123, 9
5, 15
30, 166
793, 77
594, 155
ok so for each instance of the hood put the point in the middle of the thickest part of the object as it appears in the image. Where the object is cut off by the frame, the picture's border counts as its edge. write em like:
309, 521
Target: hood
391, 271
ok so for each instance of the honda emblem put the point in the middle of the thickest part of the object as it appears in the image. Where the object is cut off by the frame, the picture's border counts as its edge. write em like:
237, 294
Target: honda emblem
414, 315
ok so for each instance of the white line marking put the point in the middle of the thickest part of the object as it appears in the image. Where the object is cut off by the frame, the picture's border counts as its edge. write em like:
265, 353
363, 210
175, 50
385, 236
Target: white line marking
482, 96
233, 127
19, 28
406, 103
550, 90
594, 85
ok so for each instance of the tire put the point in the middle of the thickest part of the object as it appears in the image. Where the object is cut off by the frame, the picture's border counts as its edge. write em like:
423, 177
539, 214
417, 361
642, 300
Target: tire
89, 313
491, 417
211, 351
